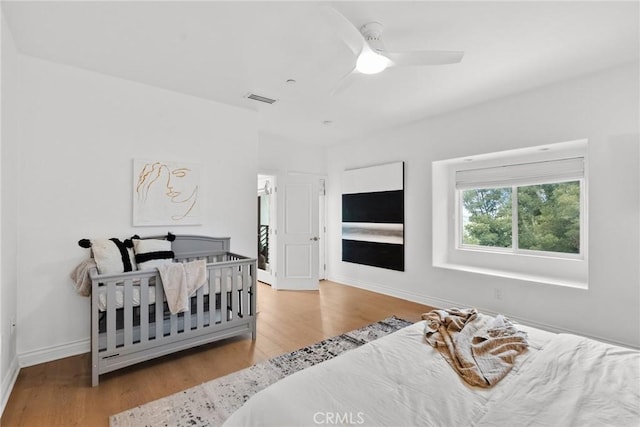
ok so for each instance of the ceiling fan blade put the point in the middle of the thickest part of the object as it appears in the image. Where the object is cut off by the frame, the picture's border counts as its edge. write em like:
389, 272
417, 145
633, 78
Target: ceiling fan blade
344, 82
347, 32
426, 57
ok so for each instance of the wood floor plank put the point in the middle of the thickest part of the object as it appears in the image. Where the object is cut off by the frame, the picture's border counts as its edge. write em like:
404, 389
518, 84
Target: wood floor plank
59, 393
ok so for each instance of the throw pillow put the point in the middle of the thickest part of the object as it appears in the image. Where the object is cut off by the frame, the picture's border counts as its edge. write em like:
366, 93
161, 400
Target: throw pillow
151, 253
113, 256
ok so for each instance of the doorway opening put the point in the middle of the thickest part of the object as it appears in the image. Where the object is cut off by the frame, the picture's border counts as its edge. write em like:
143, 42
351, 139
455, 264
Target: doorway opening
266, 229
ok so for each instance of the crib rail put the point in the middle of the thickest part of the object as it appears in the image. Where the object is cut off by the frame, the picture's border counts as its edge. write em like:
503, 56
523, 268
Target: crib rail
130, 330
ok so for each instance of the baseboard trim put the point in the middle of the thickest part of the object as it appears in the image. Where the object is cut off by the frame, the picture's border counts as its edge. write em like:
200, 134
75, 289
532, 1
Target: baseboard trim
8, 382
440, 302
47, 354
393, 292
312, 287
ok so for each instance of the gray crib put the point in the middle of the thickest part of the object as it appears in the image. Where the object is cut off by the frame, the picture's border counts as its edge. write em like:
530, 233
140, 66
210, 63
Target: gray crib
130, 322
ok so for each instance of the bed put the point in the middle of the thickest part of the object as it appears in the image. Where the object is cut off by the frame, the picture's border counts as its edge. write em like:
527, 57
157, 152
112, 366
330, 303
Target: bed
400, 380
130, 317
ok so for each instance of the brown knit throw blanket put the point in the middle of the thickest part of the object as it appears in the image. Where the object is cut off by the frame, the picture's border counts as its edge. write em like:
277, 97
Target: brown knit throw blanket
480, 348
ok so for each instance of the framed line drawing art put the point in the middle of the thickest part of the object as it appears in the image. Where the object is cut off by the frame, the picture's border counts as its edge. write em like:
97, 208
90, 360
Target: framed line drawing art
166, 193
373, 216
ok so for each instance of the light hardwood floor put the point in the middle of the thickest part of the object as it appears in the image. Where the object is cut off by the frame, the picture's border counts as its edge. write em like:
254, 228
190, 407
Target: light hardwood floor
59, 393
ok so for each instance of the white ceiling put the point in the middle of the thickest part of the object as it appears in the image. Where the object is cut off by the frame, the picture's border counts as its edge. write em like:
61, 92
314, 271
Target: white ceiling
223, 50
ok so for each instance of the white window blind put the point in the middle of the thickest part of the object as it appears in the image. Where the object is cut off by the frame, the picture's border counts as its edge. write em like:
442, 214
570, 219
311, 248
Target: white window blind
560, 170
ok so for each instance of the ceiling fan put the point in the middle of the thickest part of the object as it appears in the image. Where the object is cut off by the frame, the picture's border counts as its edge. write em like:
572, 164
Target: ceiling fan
371, 57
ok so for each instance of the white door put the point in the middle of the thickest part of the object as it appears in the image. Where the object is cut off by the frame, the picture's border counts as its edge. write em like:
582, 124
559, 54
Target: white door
298, 232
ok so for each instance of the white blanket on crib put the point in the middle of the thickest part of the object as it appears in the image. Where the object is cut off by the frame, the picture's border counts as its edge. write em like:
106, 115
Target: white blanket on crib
180, 281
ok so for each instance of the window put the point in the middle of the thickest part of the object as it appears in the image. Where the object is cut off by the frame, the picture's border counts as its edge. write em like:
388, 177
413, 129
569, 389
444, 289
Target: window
518, 213
486, 217
548, 217
544, 217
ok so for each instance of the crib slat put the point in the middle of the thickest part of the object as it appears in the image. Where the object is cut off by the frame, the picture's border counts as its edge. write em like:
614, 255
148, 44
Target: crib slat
95, 333
159, 307
173, 321
253, 290
245, 290
128, 312
144, 310
200, 307
111, 316
187, 318
223, 295
234, 292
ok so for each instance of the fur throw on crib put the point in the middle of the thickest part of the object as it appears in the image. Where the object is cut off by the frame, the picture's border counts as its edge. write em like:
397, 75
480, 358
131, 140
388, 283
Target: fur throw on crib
80, 277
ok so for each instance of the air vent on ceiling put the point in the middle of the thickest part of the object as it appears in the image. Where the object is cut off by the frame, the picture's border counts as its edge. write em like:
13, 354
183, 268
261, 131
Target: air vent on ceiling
260, 98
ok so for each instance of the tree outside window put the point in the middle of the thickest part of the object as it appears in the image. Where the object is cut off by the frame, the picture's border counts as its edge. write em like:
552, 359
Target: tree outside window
487, 217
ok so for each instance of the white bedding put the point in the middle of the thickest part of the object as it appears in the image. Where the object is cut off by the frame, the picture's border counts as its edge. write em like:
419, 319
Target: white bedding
399, 380
119, 294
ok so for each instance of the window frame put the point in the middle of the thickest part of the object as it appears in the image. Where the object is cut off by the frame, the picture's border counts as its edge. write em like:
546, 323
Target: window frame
554, 268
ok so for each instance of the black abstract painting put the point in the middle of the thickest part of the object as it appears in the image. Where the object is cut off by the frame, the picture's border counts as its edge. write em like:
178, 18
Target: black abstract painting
373, 216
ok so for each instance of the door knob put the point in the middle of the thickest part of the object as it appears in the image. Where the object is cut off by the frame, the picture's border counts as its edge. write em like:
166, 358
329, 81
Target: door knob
315, 239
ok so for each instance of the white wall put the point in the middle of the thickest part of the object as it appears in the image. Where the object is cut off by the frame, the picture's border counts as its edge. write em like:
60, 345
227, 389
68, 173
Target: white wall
604, 108
81, 131
9, 214
277, 154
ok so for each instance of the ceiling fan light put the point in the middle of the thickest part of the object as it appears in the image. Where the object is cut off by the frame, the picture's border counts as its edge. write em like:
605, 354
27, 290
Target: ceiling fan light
370, 62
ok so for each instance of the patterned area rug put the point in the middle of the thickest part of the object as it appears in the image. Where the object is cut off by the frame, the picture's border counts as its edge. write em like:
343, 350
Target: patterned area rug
211, 403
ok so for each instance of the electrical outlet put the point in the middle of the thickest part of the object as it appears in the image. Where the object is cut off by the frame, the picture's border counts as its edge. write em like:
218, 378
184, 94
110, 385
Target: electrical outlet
497, 293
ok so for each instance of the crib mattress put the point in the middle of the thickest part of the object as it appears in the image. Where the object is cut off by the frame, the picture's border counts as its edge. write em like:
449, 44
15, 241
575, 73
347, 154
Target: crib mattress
119, 292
